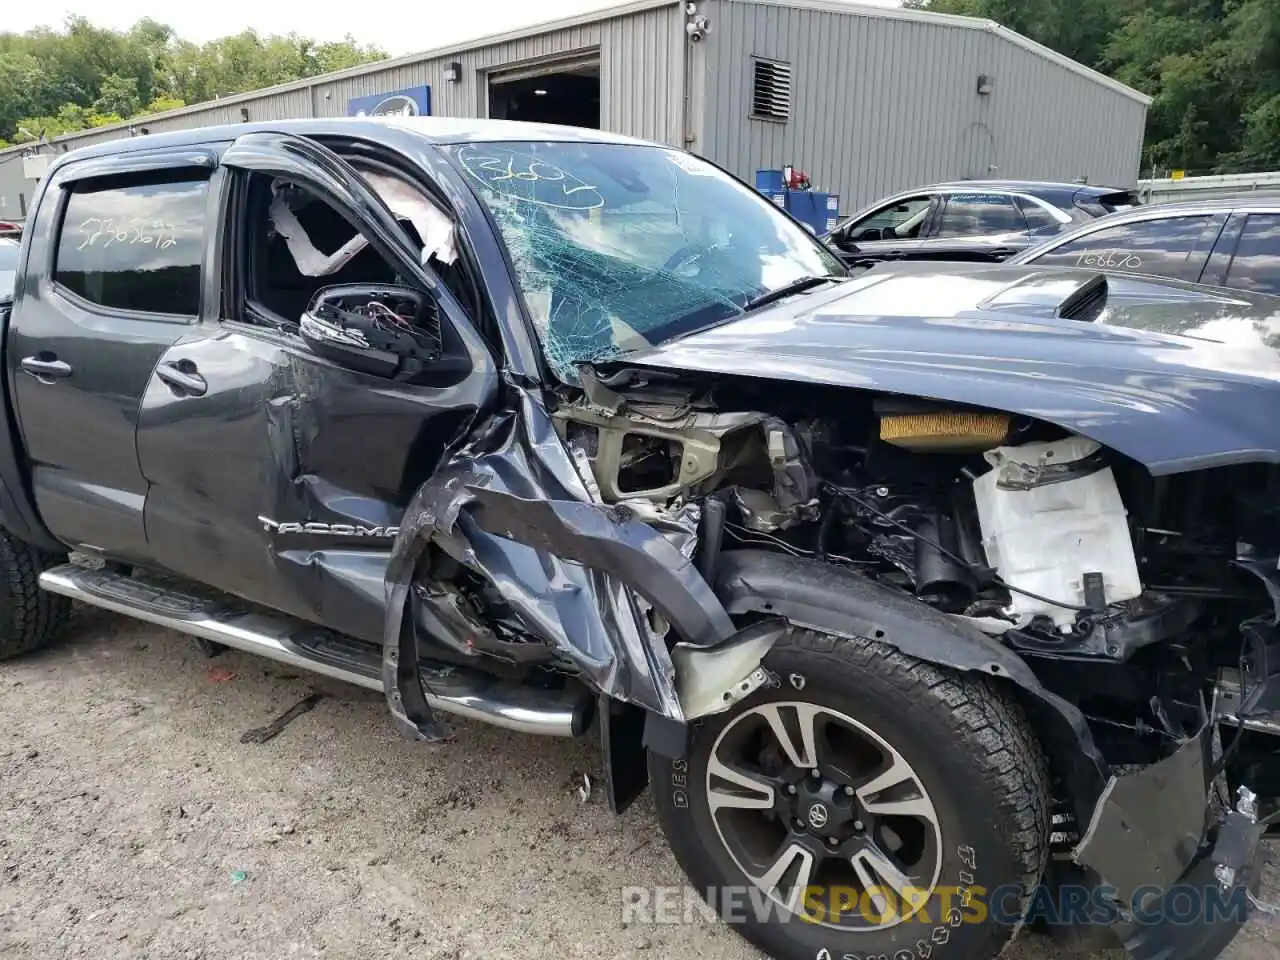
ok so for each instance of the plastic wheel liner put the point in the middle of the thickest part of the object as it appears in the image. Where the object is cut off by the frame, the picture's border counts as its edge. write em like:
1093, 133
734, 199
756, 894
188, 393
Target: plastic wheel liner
592, 581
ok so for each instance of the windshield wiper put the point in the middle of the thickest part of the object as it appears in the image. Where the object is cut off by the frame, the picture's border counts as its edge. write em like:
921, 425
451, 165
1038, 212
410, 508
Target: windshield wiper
798, 285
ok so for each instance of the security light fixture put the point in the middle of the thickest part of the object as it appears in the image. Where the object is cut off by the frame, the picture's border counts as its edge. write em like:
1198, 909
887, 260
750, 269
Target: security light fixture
453, 72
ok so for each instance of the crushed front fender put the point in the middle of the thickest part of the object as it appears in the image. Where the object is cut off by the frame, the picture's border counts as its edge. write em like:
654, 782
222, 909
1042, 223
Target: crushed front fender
601, 585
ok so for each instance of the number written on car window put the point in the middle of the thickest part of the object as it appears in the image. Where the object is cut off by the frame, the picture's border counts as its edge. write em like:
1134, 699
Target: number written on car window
135, 247
1167, 247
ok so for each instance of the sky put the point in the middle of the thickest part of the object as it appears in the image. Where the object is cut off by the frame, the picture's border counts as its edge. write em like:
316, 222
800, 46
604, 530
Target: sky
395, 25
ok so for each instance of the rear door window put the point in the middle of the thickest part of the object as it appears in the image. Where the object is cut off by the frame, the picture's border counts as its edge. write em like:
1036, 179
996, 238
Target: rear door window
1170, 247
135, 244
976, 215
1256, 264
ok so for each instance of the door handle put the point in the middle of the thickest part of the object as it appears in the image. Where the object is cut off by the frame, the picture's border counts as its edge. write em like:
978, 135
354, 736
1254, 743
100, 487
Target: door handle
1002, 253
46, 368
183, 377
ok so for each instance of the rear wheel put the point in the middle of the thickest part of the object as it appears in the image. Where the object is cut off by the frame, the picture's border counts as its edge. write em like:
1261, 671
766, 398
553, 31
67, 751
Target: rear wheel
30, 617
870, 805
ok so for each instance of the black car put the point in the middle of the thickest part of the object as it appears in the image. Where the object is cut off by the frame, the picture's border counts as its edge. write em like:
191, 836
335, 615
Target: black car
1230, 241
983, 220
920, 599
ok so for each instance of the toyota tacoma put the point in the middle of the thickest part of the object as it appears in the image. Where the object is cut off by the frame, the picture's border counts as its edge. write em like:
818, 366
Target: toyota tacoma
914, 597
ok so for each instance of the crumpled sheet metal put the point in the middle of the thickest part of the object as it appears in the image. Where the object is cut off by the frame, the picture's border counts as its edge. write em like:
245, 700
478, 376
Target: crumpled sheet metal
580, 575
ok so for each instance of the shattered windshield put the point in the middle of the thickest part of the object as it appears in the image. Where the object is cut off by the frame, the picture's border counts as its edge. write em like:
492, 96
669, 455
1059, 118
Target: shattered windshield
618, 247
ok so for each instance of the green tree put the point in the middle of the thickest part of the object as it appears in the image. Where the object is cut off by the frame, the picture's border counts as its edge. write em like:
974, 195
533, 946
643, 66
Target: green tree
58, 81
117, 94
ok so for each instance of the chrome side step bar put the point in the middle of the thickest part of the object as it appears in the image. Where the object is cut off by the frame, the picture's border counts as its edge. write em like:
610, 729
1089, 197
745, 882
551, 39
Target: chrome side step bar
466, 694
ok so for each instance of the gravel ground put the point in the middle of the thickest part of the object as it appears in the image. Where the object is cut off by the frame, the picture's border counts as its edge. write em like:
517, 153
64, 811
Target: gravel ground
134, 822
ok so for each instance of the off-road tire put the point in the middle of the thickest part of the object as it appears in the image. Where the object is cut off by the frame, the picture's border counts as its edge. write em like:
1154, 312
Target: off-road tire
972, 748
30, 618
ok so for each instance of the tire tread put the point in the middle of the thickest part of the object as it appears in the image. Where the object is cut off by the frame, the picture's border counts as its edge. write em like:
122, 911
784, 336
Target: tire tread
982, 722
30, 618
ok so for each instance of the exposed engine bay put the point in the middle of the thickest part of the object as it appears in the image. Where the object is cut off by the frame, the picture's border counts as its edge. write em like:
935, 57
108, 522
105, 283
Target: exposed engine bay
1142, 600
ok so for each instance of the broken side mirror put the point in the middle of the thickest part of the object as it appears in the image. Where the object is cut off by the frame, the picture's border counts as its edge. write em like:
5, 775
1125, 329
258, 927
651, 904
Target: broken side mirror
384, 330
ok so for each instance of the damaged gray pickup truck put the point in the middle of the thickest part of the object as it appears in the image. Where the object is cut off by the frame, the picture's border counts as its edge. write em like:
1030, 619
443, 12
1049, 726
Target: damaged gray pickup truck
928, 603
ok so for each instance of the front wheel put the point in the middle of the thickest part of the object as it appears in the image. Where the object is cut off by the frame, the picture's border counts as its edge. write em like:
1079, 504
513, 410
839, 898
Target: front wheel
870, 805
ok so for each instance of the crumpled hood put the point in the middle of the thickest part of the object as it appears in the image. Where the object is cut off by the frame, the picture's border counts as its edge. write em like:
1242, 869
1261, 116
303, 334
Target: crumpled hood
1177, 376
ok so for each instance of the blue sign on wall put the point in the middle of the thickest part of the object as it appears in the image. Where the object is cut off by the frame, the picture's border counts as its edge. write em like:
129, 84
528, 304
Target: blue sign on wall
409, 102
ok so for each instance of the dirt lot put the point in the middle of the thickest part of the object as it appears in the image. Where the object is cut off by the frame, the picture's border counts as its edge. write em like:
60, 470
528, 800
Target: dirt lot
135, 823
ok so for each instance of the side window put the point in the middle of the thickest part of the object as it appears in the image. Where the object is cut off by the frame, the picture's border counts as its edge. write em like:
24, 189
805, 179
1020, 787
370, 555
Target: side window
976, 214
1170, 247
1256, 264
899, 221
1037, 217
296, 244
135, 244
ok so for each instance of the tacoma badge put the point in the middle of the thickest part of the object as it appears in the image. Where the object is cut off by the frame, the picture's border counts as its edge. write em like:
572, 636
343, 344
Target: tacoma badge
329, 529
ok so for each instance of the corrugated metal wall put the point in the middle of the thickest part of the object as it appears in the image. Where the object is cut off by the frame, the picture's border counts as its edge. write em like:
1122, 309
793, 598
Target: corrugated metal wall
881, 102
15, 189
884, 103
640, 92
635, 51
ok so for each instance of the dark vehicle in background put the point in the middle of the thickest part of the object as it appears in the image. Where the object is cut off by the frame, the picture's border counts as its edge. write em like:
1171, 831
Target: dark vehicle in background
1230, 242
974, 220
911, 595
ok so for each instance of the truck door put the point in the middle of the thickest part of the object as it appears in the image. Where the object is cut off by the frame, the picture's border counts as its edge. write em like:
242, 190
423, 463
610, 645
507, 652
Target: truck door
283, 439
114, 277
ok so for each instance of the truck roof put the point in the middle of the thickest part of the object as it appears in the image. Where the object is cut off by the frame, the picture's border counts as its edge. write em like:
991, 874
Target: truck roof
439, 130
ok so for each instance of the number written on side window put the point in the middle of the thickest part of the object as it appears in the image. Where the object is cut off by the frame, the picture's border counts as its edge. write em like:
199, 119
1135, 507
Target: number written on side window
1172, 247
135, 247
1256, 264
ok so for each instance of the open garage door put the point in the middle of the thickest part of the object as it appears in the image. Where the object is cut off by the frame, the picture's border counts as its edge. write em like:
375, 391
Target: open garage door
566, 91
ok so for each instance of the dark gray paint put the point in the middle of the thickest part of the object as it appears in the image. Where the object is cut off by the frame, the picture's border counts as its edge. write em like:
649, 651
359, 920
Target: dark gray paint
1149, 380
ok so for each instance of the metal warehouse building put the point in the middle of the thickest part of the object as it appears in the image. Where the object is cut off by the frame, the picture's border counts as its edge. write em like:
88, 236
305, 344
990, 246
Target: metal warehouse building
865, 100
